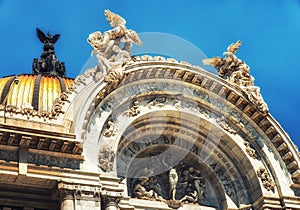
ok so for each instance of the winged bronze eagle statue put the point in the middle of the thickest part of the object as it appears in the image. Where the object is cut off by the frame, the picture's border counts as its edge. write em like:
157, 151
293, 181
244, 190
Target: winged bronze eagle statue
48, 40
48, 64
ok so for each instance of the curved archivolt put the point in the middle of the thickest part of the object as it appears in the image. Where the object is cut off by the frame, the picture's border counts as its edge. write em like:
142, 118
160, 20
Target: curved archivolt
232, 141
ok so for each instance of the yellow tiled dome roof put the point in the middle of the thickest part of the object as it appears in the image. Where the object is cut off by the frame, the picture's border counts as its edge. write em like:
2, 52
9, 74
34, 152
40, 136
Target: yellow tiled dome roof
36, 91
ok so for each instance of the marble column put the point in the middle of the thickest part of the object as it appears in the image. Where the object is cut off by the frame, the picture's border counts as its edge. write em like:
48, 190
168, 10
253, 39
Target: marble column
111, 206
80, 197
67, 202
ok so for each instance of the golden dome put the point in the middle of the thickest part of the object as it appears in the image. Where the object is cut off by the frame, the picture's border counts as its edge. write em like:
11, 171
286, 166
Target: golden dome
36, 91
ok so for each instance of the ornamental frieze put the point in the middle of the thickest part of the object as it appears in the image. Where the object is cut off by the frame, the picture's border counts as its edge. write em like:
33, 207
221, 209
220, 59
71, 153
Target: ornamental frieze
62, 162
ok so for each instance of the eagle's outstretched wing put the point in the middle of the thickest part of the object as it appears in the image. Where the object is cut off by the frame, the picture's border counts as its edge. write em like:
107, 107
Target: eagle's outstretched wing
54, 38
233, 48
42, 37
215, 62
114, 19
134, 37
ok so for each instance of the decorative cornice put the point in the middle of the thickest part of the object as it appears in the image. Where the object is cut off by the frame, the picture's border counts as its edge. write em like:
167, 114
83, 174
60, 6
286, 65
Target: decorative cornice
40, 144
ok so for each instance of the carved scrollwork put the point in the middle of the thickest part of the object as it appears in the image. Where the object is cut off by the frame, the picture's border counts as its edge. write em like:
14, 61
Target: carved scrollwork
56, 110
12, 109
28, 111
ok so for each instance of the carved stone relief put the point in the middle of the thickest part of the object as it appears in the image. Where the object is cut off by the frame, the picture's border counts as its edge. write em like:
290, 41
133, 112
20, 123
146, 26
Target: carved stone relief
110, 129
106, 158
134, 110
9, 155
40, 159
179, 185
251, 152
158, 102
223, 124
265, 178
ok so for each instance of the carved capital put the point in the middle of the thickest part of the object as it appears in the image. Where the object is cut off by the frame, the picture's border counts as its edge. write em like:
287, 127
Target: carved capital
109, 201
68, 191
63, 194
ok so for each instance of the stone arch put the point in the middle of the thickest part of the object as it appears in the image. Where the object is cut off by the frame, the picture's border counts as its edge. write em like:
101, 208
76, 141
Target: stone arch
200, 152
240, 115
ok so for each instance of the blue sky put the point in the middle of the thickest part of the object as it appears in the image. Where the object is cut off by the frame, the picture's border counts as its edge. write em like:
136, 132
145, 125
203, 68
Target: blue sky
269, 30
